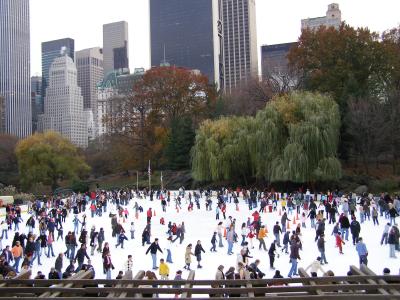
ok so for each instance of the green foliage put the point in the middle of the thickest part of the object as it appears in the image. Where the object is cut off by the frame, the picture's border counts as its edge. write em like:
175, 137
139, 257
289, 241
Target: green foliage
180, 141
79, 186
47, 158
295, 138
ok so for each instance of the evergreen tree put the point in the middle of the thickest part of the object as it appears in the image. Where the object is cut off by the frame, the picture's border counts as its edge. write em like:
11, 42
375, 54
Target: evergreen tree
180, 142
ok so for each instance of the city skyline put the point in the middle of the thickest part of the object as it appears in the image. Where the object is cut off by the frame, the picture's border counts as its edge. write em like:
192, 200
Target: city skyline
272, 26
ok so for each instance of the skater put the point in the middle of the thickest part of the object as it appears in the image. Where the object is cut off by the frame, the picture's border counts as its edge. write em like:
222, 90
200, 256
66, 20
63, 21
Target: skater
129, 264
277, 230
214, 242
315, 266
168, 248
164, 270
286, 242
100, 240
220, 232
355, 229
154, 247
108, 265
294, 256
197, 252
271, 254
339, 242
121, 238
362, 251
244, 232
321, 248
385, 234
80, 257
17, 252
261, 235
132, 230
188, 257
392, 240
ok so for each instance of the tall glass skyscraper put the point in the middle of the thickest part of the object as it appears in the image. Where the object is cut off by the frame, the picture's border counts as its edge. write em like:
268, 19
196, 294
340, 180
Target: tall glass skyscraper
15, 81
188, 33
37, 100
240, 42
115, 46
50, 51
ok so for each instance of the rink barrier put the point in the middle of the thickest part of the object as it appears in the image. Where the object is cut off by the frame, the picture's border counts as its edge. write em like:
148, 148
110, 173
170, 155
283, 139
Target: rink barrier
365, 286
66, 285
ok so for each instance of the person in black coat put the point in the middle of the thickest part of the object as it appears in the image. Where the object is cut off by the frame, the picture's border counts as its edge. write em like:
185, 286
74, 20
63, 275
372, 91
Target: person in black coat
154, 247
80, 257
344, 226
59, 264
355, 229
54, 274
271, 254
197, 252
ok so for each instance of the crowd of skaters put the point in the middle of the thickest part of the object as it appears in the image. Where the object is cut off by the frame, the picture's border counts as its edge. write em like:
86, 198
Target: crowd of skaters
46, 219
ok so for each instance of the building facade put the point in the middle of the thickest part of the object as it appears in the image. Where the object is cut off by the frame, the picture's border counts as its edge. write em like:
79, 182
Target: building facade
333, 18
115, 46
15, 81
274, 61
240, 42
89, 64
37, 100
50, 51
63, 105
2, 115
112, 92
188, 33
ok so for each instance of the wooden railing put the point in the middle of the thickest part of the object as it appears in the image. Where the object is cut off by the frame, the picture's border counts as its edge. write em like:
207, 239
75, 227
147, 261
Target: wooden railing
364, 284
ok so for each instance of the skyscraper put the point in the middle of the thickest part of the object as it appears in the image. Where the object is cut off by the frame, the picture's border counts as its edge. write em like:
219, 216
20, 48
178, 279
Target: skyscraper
15, 83
115, 46
63, 105
240, 42
333, 18
50, 51
274, 61
37, 100
188, 33
89, 64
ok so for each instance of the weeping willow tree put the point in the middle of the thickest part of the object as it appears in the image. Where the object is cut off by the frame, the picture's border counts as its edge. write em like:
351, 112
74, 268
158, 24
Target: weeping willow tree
294, 138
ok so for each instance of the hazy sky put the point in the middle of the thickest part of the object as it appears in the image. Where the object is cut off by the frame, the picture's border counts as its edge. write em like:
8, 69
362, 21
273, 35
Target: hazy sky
278, 21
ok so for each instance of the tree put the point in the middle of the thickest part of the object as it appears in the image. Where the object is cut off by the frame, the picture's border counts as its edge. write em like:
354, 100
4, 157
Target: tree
294, 138
366, 124
8, 160
180, 142
47, 158
143, 119
344, 62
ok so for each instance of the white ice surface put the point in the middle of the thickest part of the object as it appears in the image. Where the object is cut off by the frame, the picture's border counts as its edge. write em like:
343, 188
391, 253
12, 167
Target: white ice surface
200, 225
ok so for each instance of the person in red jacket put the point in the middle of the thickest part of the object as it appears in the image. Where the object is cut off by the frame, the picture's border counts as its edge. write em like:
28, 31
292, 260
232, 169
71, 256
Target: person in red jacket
149, 215
256, 216
339, 242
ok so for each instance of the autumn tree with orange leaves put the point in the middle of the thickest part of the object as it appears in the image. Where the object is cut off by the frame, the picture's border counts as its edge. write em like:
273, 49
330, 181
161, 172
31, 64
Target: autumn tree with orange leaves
162, 96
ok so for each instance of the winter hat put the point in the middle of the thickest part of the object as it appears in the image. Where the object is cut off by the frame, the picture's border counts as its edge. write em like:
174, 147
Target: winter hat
386, 271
